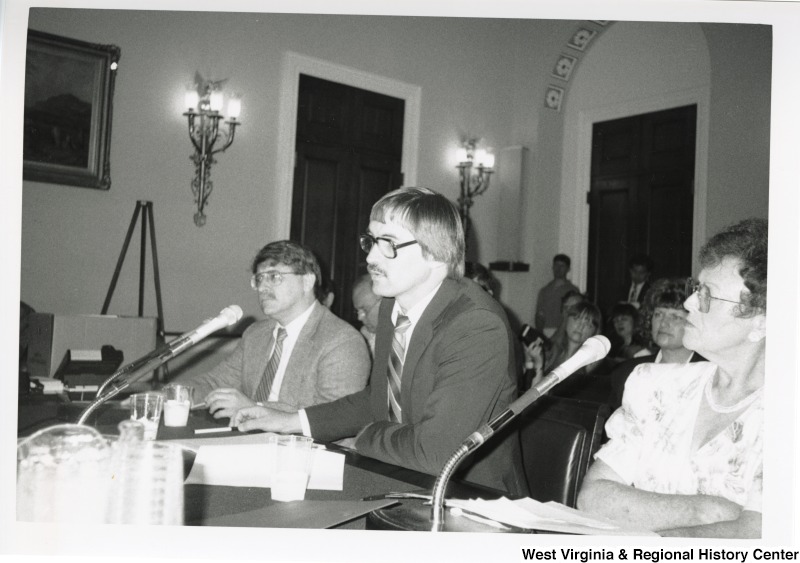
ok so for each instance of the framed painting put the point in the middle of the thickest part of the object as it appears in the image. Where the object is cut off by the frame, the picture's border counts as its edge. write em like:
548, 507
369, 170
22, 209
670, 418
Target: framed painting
69, 86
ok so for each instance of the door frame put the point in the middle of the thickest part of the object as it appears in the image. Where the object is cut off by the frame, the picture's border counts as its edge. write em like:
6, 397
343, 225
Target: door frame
295, 64
573, 233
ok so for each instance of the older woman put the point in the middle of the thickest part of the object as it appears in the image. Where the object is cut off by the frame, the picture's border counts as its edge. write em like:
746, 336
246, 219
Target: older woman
685, 451
665, 318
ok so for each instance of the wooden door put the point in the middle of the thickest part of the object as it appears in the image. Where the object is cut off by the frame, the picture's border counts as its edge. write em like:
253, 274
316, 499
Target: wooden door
641, 198
348, 154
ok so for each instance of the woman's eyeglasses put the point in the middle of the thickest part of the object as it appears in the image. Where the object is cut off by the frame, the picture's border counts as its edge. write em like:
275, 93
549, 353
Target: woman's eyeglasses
704, 296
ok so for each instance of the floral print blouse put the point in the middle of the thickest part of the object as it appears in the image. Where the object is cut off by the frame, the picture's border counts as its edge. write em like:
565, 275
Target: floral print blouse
650, 438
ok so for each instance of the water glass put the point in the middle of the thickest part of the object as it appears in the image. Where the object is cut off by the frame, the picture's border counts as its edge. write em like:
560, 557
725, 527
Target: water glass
146, 408
177, 402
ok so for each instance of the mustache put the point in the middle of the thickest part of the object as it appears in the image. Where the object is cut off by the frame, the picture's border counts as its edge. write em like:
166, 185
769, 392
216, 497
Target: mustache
375, 270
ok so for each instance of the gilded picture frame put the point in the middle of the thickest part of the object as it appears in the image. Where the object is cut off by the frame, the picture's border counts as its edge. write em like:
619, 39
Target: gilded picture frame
69, 88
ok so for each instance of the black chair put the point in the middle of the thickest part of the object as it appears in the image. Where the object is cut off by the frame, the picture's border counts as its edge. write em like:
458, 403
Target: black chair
595, 388
587, 415
552, 456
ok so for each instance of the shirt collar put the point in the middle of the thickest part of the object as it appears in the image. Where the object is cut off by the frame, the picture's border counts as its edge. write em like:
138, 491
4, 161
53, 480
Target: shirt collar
415, 312
294, 327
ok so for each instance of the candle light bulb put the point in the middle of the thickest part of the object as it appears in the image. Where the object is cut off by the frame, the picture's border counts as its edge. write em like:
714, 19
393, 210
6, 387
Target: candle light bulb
234, 107
489, 160
461, 155
216, 101
191, 99
480, 157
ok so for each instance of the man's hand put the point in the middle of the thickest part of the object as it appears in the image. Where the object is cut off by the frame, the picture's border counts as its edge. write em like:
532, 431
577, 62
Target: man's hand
270, 420
223, 403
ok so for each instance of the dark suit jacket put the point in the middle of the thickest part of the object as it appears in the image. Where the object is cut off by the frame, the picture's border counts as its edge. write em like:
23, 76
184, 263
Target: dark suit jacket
459, 373
620, 374
626, 290
329, 360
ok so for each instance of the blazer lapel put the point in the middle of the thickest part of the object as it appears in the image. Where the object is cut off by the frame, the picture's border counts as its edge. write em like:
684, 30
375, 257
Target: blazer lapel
300, 358
423, 334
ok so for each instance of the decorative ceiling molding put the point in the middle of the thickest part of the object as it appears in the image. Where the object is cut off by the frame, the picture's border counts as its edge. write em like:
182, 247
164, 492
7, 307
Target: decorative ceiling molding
575, 47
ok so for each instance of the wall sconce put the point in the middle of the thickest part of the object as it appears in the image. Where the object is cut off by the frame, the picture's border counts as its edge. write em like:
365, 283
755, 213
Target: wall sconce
475, 167
204, 100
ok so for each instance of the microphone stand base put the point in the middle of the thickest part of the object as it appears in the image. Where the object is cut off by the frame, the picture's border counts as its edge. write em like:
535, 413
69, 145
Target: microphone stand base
414, 516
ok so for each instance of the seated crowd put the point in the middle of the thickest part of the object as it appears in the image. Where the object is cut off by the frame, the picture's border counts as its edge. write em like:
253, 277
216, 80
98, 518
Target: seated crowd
436, 358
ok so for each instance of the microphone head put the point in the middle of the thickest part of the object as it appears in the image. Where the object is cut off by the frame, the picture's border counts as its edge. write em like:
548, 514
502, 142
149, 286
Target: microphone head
593, 349
598, 346
231, 314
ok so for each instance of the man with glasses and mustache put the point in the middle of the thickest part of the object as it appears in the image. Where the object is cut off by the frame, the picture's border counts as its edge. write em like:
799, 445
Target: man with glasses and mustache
301, 355
444, 353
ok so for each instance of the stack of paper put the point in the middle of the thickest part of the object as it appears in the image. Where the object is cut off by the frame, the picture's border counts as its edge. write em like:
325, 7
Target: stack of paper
527, 513
246, 465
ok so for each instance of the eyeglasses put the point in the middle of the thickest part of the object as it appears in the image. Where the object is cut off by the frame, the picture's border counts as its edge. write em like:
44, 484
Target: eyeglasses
273, 278
386, 247
704, 296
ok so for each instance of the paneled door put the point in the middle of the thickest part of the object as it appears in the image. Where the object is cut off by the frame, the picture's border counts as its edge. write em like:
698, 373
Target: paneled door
641, 198
348, 154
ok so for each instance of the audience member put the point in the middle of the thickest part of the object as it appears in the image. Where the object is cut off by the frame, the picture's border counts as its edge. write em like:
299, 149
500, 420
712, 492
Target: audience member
481, 275
366, 304
685, 452
455, 341
581, 321
625, 343
301, 355
663, 310
325, 291
548, 303
640, 267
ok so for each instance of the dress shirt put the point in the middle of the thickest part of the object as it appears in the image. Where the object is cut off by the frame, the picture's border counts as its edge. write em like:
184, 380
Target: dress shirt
413, 314
636, 289
292, 333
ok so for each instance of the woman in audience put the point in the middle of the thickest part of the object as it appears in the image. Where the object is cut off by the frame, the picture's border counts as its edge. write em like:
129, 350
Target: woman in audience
581, 321
625, 342
686, 448
663, 311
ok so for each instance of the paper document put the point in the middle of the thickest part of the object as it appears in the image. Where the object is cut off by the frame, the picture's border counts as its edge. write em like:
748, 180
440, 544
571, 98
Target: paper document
248, 465
527, 513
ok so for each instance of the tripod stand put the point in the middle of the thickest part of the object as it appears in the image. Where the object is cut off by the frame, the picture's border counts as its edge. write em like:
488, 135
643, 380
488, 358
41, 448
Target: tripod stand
146, 209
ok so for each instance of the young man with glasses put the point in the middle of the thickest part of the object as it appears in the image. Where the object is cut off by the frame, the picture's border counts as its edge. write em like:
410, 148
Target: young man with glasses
444, 354
301, 355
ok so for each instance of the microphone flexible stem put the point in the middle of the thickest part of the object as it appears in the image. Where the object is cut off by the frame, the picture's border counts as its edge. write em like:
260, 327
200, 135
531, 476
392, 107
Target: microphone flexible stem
130, 368
437, 500
133, 372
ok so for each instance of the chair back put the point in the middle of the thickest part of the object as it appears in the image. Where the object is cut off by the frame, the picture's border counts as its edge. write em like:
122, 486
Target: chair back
587, 415
552, 456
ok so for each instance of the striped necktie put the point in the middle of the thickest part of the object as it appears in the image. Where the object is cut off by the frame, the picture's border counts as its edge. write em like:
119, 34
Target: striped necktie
262, 393
395, 371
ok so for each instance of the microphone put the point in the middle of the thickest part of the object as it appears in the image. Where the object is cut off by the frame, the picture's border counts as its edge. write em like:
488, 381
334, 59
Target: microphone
594, 349
144, 365
228, 316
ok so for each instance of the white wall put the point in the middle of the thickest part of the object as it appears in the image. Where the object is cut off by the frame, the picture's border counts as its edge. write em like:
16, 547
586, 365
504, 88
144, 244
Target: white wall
485, 78
461, 65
